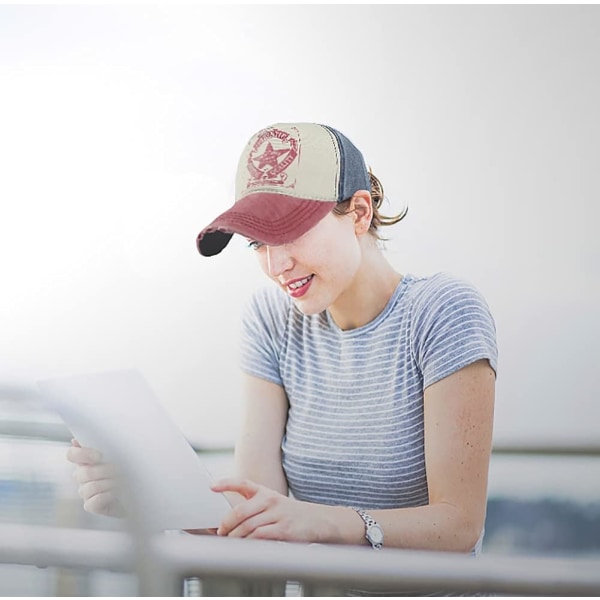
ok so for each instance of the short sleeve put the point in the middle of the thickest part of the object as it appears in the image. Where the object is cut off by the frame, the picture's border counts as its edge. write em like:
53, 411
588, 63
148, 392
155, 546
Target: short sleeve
452, 327
263, 325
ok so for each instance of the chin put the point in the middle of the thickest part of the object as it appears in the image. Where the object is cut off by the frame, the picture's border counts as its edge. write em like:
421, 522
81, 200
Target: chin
308, 308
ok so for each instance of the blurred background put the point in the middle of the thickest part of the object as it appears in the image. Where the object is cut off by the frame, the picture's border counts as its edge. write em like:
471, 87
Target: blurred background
120, 131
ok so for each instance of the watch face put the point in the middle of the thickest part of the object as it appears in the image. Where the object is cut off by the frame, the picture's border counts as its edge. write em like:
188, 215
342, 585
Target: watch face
375, 534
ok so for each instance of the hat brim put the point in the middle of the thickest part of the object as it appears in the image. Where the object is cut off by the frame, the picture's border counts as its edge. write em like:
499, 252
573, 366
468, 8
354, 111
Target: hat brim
271, 219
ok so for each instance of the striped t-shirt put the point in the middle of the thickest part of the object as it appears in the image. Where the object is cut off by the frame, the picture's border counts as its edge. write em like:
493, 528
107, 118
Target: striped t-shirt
355, 429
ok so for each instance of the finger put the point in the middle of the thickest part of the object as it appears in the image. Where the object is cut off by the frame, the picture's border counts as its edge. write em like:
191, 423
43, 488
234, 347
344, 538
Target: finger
248, 509
250, 526
245, 487
233, 498
75, 443
92, 488
83, 456
104, 504
270, 531
85, 473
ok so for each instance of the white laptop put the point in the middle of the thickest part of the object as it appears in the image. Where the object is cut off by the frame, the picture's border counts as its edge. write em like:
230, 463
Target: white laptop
118, 413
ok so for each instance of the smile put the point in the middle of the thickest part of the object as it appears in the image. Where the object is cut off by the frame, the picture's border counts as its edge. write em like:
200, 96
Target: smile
298, 284
299, 287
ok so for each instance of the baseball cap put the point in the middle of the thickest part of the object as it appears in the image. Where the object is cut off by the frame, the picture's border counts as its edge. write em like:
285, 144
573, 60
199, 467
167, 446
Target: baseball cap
289, 177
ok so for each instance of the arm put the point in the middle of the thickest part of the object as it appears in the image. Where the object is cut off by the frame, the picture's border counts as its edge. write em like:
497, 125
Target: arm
459, 413
458, 433
258, 450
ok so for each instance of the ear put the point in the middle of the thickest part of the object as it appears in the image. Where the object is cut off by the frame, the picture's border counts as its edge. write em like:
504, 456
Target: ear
362, 209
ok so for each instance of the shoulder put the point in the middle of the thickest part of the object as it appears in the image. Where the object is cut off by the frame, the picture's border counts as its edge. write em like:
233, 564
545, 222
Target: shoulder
444, 291
446, 308
439, 284
452, 325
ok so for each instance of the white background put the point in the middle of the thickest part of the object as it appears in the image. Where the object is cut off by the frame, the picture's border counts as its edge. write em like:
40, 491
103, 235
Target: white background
120, 130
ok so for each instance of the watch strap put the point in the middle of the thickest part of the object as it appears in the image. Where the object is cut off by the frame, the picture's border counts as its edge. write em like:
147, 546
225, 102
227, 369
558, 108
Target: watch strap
370, 523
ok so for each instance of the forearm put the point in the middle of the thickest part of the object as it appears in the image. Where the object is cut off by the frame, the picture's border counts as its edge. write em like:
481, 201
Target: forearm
440, 527
264, 470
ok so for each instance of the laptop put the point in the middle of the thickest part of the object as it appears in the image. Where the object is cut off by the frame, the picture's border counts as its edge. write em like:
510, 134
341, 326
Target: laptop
118, 413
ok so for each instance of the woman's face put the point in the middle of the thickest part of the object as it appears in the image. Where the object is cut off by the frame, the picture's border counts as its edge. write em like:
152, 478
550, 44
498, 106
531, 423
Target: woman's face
318, 268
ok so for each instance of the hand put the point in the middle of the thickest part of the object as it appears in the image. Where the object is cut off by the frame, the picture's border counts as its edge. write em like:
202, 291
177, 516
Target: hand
97, 481
266, 514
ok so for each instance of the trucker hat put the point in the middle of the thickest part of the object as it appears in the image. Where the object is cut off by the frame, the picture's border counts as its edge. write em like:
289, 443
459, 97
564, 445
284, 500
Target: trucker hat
289, 177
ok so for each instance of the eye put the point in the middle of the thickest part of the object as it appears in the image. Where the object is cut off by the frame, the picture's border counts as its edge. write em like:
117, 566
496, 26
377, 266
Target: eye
254, 245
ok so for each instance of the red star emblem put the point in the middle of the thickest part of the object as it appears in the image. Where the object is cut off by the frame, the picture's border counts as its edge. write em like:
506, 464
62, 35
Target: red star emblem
269, 156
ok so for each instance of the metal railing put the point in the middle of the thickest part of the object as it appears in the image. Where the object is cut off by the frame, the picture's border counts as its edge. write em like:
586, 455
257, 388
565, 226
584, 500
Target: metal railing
231, 567
249, 567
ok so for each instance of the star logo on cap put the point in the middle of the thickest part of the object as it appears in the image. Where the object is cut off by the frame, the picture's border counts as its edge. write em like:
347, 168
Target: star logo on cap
273, 158
269, 156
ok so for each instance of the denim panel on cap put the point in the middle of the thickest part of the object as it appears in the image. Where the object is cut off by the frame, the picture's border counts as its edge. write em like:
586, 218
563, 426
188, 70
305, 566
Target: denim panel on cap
353, 171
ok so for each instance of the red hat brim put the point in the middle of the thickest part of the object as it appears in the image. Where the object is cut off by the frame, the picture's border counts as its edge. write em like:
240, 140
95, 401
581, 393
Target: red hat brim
268, 218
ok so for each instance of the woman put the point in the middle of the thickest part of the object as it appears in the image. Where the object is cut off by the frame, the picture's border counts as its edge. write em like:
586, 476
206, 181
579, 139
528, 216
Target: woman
369, 394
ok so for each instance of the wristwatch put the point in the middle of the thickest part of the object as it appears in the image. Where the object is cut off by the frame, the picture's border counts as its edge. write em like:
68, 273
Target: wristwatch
373, 530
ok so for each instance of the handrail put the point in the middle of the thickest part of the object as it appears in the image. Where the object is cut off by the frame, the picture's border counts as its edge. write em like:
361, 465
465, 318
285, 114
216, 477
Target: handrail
391, 569
545, 449
161, 563
46, 546
338, 567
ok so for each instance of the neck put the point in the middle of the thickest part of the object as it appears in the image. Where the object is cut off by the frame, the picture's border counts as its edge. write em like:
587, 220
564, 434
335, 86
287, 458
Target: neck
370, 291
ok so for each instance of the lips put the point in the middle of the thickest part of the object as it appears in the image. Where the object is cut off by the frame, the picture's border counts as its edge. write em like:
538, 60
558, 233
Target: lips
298, 287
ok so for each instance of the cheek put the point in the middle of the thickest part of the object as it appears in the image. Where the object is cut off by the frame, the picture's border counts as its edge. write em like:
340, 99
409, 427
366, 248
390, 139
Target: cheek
343, 258
348, 244
263, 263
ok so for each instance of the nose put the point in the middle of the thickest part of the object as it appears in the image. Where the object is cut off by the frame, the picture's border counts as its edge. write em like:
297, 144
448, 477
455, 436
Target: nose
279, 260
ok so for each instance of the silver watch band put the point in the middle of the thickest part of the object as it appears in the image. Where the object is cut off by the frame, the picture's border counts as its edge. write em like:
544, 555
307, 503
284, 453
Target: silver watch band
373, 530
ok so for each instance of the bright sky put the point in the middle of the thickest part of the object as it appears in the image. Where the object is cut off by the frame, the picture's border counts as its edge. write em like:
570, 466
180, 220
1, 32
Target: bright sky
121, 128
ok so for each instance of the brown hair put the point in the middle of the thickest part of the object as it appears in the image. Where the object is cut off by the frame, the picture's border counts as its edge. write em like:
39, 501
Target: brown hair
378, 220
